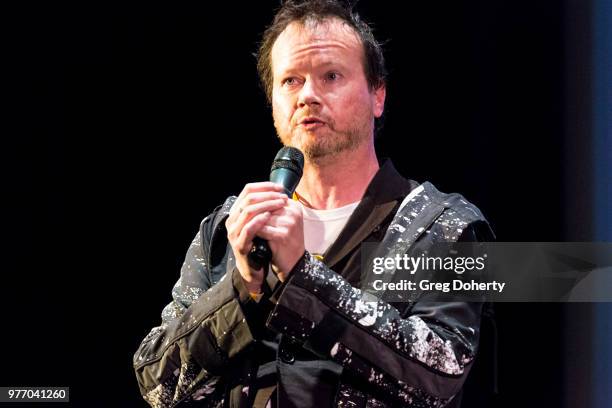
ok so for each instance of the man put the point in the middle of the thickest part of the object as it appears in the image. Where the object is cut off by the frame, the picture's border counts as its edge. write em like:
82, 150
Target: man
303, 334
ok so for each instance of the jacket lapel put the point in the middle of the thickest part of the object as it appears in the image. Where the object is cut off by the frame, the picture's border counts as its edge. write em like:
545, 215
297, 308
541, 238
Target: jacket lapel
383, 195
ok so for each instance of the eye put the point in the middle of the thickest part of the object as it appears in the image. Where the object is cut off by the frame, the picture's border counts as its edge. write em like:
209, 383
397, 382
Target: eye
332, 76
291, 81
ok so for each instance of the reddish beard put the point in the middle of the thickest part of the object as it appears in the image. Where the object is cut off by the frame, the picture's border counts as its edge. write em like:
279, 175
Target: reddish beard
322, 142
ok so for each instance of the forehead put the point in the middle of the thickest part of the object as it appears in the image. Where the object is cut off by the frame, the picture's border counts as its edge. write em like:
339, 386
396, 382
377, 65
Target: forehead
304, 42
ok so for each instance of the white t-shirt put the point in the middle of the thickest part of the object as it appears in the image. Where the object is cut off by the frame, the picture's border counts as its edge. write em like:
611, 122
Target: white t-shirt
322, 227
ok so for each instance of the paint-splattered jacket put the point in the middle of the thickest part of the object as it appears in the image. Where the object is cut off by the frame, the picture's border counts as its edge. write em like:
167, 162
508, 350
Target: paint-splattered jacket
317, 340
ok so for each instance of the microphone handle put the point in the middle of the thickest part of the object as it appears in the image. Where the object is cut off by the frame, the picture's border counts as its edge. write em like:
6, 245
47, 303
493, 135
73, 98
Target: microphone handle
260, 254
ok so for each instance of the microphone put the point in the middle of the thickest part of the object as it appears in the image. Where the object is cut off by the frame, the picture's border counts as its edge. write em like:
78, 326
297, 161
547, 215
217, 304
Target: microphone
287, 171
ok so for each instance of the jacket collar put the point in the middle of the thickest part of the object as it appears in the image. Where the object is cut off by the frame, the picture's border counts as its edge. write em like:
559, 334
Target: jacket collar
384, 193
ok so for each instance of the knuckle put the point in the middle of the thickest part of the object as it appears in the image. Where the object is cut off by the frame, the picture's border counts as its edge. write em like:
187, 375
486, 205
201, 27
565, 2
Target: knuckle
249, 229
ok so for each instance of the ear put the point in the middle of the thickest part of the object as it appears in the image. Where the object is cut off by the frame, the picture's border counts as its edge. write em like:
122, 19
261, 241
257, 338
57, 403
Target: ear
378, 99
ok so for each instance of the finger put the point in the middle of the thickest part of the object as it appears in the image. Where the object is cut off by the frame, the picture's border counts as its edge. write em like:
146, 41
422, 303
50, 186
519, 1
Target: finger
250, 211
272, 233
294, 207
280, 211
234, 226
258, 187
249, 199
248, 232
282, 220
258, 197
289, 210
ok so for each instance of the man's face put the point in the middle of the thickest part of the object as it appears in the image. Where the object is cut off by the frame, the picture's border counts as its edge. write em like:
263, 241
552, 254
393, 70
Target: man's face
321, 102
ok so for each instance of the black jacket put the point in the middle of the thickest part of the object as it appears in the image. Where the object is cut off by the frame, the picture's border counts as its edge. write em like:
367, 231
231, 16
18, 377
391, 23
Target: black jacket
317, 340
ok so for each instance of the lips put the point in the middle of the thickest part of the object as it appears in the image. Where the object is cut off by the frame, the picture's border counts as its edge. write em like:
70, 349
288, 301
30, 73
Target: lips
310, 121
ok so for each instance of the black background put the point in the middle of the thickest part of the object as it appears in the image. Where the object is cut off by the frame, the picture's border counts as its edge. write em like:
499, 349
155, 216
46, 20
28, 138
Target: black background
129, 122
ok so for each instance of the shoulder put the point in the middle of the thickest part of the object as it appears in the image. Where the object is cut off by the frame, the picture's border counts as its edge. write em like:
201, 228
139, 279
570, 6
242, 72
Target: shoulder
455, 204
212, 227
454, 214
216, 218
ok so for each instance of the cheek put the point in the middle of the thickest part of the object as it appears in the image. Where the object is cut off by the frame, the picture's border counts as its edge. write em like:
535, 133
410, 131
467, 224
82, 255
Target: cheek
356, 103
281, 111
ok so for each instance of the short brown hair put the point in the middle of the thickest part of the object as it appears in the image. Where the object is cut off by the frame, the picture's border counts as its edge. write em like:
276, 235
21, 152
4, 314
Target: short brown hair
318, 10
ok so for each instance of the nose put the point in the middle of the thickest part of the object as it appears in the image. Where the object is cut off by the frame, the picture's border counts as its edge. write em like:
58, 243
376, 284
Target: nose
309, 94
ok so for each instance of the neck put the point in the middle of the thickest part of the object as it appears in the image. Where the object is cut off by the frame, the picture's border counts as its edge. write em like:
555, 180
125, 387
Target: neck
337, 181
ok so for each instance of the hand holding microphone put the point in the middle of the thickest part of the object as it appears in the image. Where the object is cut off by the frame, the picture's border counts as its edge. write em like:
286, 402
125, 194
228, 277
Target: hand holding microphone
264, 211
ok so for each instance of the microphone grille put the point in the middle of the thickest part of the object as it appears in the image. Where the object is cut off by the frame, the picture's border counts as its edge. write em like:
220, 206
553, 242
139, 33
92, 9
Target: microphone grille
287, 164
291, 154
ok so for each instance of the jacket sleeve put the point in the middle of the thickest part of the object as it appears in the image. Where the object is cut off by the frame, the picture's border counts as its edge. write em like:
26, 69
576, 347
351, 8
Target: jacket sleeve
419, 356
201, 329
